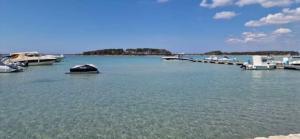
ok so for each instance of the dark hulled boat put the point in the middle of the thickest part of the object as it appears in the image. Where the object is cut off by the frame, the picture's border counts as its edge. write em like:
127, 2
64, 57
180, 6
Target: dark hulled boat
87, 68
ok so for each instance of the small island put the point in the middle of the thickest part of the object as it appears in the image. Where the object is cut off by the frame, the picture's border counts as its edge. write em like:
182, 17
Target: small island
137, 51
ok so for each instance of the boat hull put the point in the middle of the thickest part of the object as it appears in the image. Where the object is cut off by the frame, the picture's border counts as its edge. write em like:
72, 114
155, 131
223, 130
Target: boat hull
292, 67
265, 67
251, 67
89, 72
39, 62
7, 69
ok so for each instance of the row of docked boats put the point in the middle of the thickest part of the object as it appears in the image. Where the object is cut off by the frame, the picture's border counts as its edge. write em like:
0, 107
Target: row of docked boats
222, 60
269, 63
15, 62
256, 63
210, 59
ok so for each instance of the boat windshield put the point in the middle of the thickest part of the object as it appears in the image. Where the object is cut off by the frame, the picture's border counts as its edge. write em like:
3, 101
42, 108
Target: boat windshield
32, 54
13, 56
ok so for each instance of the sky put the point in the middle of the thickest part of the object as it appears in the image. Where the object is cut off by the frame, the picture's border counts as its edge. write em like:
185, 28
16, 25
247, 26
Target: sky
191, 26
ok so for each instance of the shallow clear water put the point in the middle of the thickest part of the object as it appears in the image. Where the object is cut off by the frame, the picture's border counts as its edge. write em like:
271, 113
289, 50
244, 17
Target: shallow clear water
144, 97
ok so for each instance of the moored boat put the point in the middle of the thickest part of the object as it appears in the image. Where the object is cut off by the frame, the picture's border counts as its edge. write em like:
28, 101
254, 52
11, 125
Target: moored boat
259, 63
292, 67
58, 58
211, 58
294, 64
84, 69
294, 60
6, 60
227, 59
9, 68
175, 57
32, 58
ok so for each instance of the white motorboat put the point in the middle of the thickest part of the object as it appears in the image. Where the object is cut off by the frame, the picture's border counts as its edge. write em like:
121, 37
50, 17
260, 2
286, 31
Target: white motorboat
7, 61
84, 69
294, 60
211, 58
32, 58
296, 56
9, 68
226, 59
259, 63
175, 57
58, 58
293, 65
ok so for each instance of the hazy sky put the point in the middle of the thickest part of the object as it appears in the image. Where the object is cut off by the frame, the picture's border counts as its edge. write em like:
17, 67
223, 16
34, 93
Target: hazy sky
72, 26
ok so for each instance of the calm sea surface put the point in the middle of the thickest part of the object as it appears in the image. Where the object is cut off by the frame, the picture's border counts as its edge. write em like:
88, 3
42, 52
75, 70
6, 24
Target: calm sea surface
145, 97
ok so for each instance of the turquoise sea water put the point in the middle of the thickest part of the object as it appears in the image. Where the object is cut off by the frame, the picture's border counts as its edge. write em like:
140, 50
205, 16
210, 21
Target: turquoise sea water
145, 97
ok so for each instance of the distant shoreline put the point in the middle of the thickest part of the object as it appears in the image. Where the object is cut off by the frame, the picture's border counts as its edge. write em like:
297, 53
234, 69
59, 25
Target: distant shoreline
162, 52
136, 51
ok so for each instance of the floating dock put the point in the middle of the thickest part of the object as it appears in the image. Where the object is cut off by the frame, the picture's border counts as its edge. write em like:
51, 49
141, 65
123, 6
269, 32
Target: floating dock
278, 64
217, 62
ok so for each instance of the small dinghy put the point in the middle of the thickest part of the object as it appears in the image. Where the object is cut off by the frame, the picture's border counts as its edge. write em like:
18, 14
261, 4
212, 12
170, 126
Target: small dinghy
84, 69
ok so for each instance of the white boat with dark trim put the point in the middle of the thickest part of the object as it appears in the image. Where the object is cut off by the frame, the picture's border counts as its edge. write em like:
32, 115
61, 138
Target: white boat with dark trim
179, 56
84, 69
175, 57
292, 63
226, 60
9, 68
292, 67
211, 58
58, 58
295, 61
259, 63
32, 58
6, 61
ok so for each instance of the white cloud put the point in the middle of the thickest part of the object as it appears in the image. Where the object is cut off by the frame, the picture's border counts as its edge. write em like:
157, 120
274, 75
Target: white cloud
259, 37
162, 1
286, 16
266, 3
248, 37
216, 3
225, 15
281, 31
263, 3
